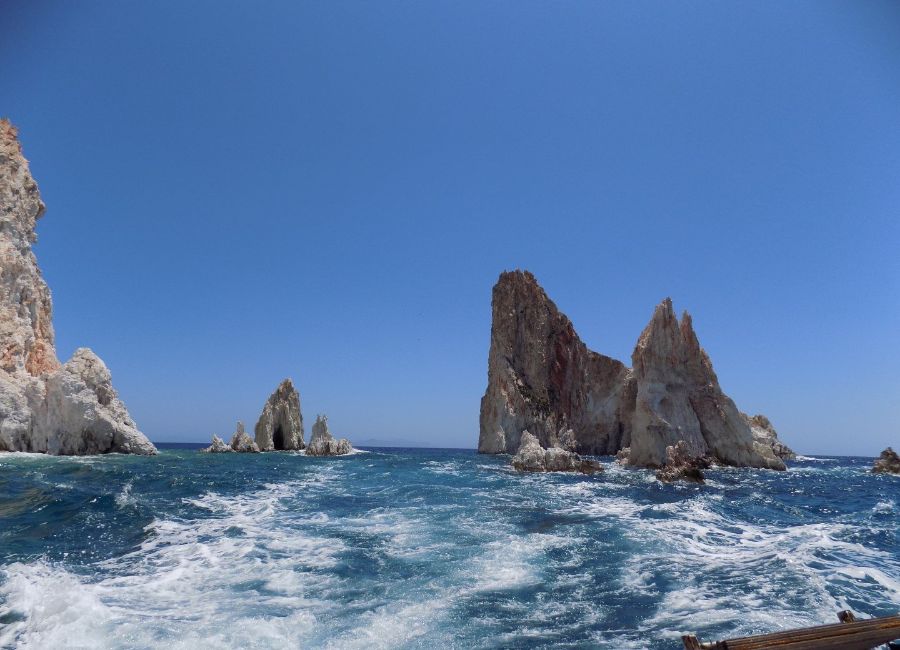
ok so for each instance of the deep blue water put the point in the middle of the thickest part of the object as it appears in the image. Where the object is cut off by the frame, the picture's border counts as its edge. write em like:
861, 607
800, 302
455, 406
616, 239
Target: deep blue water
429, 549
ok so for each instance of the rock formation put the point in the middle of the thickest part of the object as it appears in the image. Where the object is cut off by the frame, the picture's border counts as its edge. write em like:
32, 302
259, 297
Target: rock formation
542, 378
218, 446
764, 433
682, 466
44, 406
322, 443
531, 457
887, 463
242, 442
280, 425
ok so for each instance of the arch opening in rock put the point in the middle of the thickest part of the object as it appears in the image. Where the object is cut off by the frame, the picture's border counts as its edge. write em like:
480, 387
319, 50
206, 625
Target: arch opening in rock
278, 438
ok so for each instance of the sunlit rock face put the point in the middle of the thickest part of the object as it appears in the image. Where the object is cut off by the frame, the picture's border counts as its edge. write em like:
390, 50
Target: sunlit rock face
45, 406
542, 377
322, 443
280, 425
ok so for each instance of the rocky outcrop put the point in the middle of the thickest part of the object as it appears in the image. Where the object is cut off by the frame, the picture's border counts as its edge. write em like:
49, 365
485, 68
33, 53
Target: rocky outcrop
280, 425
764, 433
218, 446
681, 465
242, 442
322, 443
532, 457
887, 463
45, 406
542, 377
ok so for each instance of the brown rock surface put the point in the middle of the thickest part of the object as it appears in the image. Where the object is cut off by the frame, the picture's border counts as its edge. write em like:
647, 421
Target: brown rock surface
887, 463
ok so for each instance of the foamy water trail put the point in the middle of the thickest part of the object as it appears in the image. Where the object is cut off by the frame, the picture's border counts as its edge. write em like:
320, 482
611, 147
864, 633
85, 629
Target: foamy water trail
432, 549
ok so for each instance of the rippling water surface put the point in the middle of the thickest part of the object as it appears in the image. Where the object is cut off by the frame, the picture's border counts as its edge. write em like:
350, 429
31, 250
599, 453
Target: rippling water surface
429, 548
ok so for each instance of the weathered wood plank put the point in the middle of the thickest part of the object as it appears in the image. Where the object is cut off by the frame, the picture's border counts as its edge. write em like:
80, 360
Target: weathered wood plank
850, 634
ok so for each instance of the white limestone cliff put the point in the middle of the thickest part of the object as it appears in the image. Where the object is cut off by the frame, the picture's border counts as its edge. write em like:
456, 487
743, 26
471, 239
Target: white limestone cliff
45, 406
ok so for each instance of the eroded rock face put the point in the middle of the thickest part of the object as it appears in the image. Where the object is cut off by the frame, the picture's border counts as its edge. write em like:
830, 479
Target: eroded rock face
542, 378
682, 465
44, 406
322, 443
280, 425
764, 433
532, 457
887, 463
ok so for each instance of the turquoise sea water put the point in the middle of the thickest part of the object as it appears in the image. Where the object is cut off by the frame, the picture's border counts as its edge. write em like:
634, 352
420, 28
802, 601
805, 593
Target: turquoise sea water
432, 549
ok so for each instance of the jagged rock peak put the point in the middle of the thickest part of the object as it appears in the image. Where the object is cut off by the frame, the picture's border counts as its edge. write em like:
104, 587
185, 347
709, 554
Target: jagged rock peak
280, 425
322, 443
218, 446
541, 377
887, 463
44, 406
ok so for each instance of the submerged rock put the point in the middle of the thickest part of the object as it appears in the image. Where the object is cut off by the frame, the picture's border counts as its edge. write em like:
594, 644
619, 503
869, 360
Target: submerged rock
681, 465
542, 378
218, 446
280, 425
45, 406
322, 443
887, 463
531, 457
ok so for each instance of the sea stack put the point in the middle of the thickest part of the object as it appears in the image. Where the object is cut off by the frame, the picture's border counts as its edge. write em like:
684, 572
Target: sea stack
280, 425
322, 443
240, 442
542, 377
46, 407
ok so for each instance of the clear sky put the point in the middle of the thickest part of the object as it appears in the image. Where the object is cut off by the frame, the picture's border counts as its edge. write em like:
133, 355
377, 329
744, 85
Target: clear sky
239, 192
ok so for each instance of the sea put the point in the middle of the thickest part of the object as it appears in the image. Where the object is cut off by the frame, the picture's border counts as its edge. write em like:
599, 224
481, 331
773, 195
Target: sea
430, 548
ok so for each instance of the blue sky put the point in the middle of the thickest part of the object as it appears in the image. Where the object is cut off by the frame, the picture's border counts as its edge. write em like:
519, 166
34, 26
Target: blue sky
239, 192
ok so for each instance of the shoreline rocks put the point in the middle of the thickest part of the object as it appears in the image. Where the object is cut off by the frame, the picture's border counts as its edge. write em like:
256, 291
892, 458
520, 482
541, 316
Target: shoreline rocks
322, 443
45, 406
280, 425
543, 379
887, 463
532, 457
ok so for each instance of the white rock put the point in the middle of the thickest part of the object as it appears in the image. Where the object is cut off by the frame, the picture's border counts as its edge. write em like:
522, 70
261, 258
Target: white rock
45, 407
322, 443
218, 446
